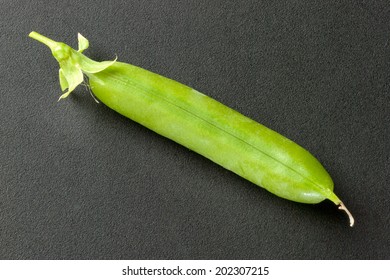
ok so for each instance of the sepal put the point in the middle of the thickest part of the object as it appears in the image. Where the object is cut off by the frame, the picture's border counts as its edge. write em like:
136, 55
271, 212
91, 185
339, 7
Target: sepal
73, 76
90, 66
63, 82
72, 63
83, 43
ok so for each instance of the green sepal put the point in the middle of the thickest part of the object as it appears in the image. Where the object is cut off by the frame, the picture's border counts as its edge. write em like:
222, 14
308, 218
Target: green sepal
72, 63
73, 76
90, 66
83, 43
63, 82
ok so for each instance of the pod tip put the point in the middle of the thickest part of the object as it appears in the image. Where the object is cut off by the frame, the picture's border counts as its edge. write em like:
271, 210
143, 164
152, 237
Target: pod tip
343, 208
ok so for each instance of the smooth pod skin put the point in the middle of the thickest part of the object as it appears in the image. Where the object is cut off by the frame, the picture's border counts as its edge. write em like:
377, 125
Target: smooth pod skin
199, 123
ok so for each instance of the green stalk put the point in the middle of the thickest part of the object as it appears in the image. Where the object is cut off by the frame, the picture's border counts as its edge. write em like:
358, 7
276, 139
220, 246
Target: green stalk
44, 40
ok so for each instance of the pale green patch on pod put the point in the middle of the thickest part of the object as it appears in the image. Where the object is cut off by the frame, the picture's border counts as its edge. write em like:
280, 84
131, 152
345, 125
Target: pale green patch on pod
199, 123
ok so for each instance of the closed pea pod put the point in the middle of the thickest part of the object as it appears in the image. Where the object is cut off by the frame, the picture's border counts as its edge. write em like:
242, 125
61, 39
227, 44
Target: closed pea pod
199, 123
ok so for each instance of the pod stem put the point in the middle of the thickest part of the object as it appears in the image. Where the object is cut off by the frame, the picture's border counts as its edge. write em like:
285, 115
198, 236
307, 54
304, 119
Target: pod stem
343, 208
43, 39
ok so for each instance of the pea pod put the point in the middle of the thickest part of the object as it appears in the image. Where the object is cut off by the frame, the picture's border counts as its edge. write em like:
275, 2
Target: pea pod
199, 123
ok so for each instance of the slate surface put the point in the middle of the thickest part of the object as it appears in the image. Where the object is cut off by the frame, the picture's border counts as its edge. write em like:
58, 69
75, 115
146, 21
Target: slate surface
79, 181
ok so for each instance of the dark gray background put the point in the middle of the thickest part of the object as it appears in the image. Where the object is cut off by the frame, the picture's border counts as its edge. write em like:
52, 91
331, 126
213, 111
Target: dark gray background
79, 181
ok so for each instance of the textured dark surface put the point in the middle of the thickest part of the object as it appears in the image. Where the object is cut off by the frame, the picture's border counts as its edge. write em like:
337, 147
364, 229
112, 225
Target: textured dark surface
79, 181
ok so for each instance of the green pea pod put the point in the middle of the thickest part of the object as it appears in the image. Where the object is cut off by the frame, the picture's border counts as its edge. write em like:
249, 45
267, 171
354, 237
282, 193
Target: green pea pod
199, 123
